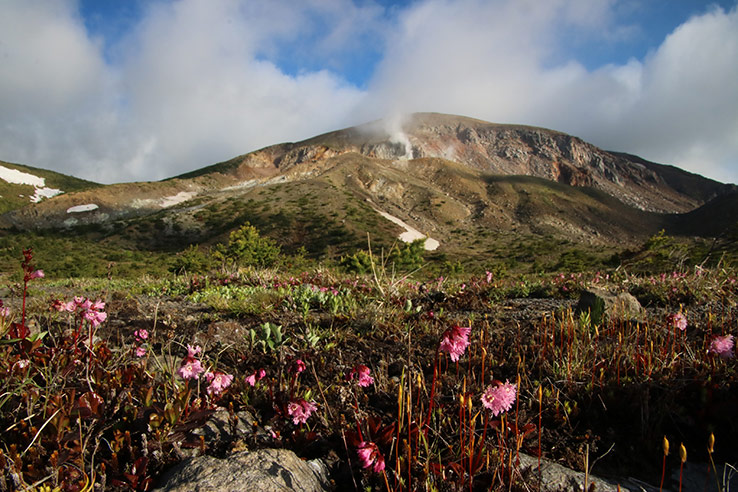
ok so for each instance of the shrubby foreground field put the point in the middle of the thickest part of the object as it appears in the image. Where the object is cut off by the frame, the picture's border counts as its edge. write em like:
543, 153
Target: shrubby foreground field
399, 377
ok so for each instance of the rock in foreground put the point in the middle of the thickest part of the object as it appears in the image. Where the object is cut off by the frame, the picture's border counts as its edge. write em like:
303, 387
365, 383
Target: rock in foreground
266, 470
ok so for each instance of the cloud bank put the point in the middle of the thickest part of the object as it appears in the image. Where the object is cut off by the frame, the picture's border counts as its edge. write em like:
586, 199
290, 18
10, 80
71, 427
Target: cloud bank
196, 82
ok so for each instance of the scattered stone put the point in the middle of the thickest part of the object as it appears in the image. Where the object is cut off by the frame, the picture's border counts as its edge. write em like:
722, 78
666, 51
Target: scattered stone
264, 470
604, 306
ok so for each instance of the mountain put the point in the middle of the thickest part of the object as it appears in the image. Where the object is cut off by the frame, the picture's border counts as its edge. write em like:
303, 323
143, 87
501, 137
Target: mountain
21, 185
475, 187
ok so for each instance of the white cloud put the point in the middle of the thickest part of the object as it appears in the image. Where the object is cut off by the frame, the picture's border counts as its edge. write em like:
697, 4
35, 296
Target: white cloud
501, 61
196, 82
189, 87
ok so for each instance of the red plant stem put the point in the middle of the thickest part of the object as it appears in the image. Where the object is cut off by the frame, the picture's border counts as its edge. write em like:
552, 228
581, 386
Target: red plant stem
540, 430
386, 482
502, 444
358, 429
517, 432
432, 395
617, 361
663, 472
484, 432
471, 451
409, 438
461, 425
681, 468
544, 339
25, 290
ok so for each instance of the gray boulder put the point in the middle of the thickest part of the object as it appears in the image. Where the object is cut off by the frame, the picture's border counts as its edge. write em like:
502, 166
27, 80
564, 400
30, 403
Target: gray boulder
267, 470
557, 478
605, 306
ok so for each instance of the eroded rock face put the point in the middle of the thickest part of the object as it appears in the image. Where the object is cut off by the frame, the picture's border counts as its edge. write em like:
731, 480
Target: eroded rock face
264, 470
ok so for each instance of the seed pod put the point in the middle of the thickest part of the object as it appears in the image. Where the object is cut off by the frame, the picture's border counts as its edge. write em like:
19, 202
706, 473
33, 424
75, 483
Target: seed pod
666, 446
682, 452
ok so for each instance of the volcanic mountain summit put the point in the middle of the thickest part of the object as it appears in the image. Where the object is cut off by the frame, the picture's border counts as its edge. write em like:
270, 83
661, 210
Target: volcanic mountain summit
496, 149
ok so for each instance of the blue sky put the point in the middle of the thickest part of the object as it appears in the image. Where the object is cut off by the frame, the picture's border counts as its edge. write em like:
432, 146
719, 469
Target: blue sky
146, 89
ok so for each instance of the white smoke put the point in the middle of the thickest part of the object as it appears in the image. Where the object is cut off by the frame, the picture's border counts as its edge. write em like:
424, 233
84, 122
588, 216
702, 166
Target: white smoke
393, 126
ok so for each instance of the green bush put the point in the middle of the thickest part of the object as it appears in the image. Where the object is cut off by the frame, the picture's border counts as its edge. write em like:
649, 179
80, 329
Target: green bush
359, 262
192, 260
247, 248
408, 256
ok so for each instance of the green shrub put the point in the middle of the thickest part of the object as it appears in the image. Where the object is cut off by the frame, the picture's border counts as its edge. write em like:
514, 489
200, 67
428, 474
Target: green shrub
408, 256
247, 248
192, 260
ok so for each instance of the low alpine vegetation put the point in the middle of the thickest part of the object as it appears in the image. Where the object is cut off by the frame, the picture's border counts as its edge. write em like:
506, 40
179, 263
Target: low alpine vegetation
397, 383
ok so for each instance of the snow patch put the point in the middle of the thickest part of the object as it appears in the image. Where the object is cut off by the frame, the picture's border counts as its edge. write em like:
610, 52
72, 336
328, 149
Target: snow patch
14, 176
18, 177
82, 208
42, 193
410, 233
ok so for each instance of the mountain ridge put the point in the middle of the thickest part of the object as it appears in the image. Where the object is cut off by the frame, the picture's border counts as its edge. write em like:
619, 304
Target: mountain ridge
461, 181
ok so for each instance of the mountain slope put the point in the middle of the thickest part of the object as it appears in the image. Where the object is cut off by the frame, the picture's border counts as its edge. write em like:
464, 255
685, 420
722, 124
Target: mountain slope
492, 148
479, 189
21, 185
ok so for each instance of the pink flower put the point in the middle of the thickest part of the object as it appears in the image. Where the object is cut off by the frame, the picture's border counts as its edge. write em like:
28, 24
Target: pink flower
190, 369
37, 274
218, 382
454, 341
256, 376
300, 410
83, 303
499, 398
677, 320
140, 351
298, 366
722, 346
362, 374
370, 456
4, 312
142, 334
95, 317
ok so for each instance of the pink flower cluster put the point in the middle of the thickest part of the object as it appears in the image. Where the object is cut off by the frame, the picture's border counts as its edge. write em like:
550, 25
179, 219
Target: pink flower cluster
298, 366
91, 311
32, 275
370, 456
677, 320
4, 310
499, 398
219, 381
361, 373
191, 367
141, 335
722, 345
300, 410
454, 341
255, 376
